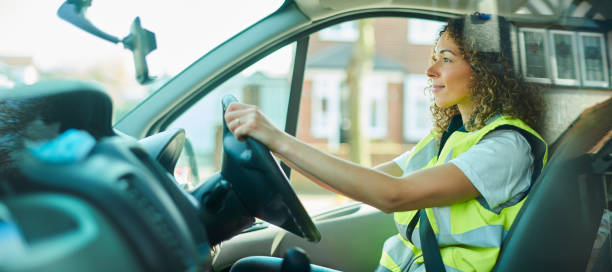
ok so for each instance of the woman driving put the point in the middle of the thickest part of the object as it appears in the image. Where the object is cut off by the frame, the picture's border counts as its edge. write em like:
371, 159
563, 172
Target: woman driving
456, 194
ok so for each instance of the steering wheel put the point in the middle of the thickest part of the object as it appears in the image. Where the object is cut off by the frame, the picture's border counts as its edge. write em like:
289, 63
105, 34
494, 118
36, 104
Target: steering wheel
260, 183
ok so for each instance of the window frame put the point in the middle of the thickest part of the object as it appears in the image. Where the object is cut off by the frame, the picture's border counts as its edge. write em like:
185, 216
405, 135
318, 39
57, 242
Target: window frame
297, 63
554, 66
604, 57
523, 56
577, 35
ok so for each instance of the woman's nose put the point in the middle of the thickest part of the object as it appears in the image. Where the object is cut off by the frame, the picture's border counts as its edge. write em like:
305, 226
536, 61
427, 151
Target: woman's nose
432, 71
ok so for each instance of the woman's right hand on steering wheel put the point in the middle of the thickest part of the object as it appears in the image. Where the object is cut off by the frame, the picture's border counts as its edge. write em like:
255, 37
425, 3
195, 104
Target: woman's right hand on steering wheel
247, 120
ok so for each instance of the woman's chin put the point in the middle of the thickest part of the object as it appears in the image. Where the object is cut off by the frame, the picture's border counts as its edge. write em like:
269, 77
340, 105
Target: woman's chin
442, 104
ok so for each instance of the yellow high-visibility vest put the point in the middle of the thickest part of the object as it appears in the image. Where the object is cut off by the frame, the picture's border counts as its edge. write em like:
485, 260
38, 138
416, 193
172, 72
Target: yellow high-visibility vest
469, 234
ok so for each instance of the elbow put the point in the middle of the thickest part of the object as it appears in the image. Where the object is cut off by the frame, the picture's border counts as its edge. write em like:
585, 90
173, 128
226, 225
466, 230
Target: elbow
386, 210
392, 201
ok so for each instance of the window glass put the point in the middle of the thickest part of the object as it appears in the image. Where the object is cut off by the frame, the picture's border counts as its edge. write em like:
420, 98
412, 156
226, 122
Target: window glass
417, 120
375, 102
265, 84
564, 56
392, 99
346, 32
422, 31
535, 56
325, 106
593, 57
53, 49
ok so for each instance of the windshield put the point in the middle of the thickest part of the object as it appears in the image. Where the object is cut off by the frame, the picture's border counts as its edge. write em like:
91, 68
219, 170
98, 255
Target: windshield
38, 45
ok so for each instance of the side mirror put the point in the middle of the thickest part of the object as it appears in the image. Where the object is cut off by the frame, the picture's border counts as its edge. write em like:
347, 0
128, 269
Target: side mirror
140, 41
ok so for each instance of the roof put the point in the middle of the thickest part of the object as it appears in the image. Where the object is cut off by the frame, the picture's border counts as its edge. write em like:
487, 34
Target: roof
338, 56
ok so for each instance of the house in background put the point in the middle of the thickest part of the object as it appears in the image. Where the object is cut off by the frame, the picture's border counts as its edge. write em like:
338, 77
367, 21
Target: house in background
396, 107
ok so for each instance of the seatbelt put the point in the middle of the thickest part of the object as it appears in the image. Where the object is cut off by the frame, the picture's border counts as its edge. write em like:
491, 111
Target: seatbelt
411, 226
429, 245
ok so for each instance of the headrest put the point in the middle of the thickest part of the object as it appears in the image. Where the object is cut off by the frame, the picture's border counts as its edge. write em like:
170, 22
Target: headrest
67, 104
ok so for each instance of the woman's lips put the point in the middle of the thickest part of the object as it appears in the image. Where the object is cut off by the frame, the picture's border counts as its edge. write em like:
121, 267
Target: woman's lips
437, 88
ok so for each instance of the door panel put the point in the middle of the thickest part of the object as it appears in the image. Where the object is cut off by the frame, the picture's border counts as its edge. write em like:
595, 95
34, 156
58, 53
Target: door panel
352, 240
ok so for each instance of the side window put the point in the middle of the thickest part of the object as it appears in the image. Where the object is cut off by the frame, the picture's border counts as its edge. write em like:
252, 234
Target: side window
346, 32
394, 109
423, 31
265, 84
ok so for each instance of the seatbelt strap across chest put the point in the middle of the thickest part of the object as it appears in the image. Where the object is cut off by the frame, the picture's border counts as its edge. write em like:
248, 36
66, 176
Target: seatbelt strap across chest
429, 245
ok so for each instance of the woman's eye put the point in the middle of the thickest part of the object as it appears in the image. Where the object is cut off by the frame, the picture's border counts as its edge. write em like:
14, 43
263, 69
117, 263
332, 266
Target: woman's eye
446, 60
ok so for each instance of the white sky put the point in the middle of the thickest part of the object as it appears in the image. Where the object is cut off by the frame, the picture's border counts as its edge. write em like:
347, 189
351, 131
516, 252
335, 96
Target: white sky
185, 30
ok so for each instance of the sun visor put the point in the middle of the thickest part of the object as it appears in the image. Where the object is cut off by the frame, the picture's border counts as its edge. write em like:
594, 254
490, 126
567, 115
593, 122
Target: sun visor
64, 104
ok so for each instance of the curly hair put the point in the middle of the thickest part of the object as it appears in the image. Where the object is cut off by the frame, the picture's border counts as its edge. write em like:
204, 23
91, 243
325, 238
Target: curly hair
495, 88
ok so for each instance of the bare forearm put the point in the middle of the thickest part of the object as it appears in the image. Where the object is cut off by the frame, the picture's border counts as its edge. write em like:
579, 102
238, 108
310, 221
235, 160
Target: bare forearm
355, 181
307, 175
436, 186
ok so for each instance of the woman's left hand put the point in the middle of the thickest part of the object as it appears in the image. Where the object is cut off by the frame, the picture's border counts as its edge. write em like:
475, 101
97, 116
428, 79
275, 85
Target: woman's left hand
247, 120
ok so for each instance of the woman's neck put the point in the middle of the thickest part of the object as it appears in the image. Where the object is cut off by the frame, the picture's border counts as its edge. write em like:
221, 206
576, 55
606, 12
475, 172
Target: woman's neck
466, 110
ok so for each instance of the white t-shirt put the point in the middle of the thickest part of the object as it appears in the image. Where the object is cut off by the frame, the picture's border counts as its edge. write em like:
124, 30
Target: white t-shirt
499, 166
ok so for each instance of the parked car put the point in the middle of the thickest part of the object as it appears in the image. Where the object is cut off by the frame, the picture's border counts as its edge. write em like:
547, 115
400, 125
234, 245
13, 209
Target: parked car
164, 186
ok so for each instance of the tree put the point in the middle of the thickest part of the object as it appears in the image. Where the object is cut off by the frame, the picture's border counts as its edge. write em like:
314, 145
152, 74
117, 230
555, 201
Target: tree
360, 65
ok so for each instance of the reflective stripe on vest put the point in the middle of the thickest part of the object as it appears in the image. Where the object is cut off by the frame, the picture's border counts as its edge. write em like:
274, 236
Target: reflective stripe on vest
396, 260
423, 154
469, 234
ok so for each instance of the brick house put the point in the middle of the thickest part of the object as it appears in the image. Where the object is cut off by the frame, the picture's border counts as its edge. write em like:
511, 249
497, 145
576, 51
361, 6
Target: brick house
394, 101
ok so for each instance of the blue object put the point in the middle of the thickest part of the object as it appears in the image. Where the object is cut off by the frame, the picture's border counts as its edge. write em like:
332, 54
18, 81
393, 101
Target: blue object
70, 146
484, 16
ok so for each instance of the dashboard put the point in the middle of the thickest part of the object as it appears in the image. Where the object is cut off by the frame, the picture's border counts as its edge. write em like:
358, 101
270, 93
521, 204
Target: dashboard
117, 201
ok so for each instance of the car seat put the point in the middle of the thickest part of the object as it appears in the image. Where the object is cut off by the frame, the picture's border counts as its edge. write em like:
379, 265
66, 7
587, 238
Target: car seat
564, 224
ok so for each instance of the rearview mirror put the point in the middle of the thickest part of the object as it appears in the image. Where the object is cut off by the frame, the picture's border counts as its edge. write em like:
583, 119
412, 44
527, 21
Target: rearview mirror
140, 41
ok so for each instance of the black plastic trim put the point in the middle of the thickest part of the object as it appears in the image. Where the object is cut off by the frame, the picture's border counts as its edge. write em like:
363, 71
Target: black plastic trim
295, 96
